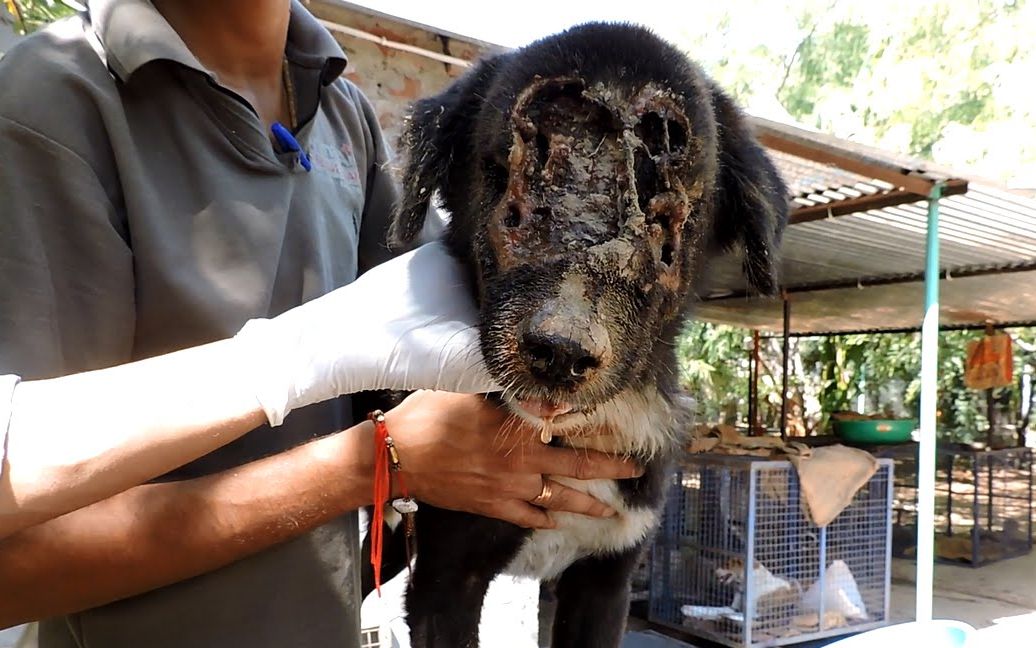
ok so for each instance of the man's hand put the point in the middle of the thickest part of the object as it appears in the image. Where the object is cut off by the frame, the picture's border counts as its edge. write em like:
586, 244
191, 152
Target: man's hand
460, 452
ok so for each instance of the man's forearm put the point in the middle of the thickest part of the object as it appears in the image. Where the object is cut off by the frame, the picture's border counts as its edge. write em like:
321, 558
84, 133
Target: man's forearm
158, 534
82, 438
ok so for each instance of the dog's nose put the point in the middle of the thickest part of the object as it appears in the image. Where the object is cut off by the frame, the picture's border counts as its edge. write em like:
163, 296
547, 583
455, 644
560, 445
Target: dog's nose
557, 359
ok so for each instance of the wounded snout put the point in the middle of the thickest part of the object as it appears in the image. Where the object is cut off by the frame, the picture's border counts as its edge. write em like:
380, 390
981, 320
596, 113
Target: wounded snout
563, 344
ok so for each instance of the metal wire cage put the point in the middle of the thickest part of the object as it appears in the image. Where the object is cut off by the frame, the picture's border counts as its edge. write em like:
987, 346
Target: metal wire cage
738, 562
983, 503
371, 638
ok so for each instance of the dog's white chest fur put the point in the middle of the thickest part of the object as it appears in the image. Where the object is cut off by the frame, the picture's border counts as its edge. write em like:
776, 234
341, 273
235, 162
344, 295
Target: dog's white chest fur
548, 552
641, 422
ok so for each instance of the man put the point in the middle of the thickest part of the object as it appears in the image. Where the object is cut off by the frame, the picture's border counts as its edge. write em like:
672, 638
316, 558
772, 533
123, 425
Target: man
145, 207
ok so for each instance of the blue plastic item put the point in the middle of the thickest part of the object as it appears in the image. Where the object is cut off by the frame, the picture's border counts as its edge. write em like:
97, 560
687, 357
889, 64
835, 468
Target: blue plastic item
288, 142
929, 634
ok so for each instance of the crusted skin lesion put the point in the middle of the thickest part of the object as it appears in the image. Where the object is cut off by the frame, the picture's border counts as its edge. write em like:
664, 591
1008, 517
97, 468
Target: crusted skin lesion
601, 172
603, 182
558, 153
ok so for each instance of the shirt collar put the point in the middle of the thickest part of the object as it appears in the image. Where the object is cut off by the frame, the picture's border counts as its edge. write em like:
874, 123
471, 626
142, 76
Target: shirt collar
133, 33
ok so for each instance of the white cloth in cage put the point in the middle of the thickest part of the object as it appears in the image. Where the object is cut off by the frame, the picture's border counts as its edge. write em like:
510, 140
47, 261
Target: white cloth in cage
841, 594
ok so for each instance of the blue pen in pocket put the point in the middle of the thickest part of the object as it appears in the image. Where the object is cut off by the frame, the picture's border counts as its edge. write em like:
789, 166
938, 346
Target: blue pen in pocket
288, 142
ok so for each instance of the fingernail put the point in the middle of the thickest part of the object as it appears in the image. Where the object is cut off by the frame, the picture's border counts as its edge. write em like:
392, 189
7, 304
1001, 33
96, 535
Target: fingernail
610, 512
638, 471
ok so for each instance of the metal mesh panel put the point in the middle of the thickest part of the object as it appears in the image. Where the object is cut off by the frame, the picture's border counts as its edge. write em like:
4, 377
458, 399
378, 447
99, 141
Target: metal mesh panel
983, 501
724, 514
370, 638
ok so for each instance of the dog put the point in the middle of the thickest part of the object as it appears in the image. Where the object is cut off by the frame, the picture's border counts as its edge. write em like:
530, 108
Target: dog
591, 177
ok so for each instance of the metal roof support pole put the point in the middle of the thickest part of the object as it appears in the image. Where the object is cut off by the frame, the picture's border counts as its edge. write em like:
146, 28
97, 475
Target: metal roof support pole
929, 398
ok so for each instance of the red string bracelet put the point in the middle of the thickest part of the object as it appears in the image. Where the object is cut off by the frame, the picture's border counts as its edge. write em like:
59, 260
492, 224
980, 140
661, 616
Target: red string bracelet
386, 457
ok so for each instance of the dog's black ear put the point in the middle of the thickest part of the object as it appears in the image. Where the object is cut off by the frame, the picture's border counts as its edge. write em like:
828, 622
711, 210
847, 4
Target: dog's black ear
751, 198
437, 129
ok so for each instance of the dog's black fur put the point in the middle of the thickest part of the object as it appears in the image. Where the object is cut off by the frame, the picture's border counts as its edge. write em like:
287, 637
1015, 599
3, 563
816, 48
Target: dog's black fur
715, 190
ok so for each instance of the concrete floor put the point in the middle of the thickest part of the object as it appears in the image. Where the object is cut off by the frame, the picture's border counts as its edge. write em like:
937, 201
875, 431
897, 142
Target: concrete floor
1010, 582
998, 599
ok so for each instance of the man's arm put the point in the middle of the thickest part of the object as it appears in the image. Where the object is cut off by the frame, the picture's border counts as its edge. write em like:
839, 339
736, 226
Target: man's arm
159, 534
79, 439
155, 535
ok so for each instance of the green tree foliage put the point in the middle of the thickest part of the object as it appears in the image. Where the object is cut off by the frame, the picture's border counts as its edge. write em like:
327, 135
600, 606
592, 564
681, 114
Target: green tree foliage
940, 79
830, 374
944, 55
31, 15
833, 60
713, 363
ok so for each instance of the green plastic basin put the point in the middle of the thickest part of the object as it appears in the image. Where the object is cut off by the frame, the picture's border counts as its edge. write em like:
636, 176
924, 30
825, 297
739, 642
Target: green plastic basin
875, 430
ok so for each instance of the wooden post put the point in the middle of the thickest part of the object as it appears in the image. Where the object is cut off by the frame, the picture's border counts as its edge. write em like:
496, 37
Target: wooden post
753, 386
787, 362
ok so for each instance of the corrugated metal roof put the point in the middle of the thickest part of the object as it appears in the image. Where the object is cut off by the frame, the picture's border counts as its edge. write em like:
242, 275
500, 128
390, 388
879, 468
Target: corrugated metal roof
863, 270
985, 230
974, 300
985, 227
812, 183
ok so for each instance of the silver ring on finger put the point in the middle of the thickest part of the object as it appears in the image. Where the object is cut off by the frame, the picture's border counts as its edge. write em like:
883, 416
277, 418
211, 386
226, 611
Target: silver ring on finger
546, 493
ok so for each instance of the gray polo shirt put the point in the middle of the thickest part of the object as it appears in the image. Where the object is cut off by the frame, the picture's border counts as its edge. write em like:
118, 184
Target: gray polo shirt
144, 209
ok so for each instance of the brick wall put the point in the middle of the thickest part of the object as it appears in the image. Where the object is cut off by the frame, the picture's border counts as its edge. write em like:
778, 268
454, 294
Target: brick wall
391, 78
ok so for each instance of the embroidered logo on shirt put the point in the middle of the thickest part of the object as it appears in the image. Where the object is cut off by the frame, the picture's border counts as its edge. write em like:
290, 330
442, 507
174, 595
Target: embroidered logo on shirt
336, 162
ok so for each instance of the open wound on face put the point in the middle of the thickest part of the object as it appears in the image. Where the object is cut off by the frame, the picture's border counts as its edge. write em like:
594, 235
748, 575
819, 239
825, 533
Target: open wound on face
594, 170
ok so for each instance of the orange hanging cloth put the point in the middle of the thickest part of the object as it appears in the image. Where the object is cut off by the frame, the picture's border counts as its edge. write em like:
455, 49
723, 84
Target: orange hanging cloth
990, 362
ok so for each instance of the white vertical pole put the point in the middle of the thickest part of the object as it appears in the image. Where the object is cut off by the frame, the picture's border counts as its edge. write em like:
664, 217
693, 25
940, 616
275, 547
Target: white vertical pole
929, 398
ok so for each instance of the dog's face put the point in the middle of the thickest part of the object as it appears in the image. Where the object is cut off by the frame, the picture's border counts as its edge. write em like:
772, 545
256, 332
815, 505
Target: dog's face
589, 237
587, 195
